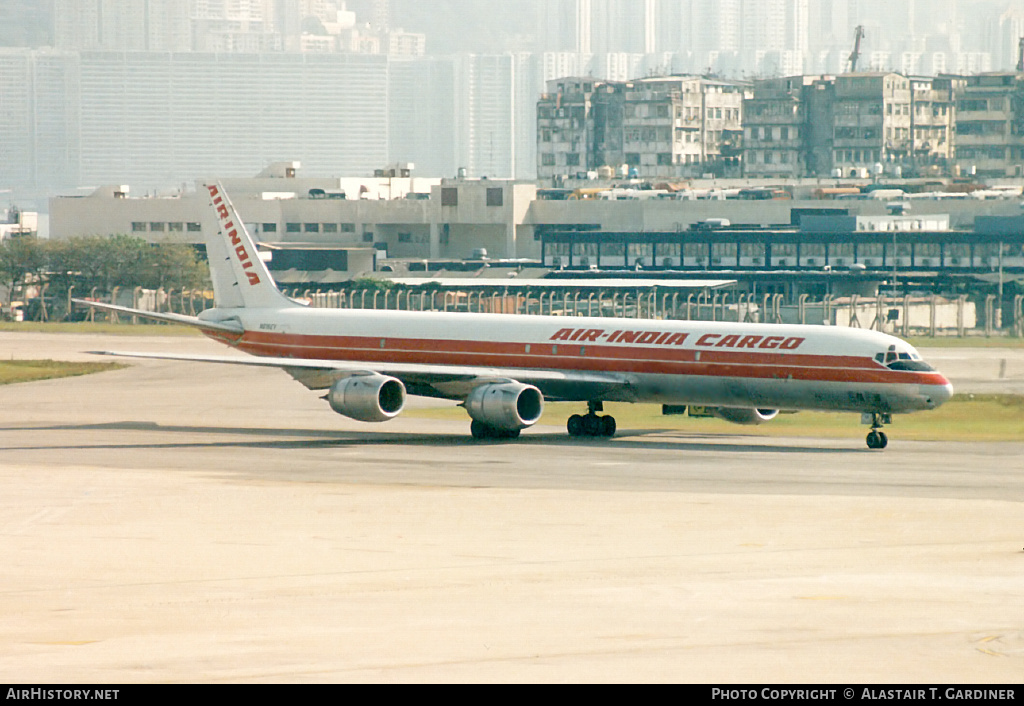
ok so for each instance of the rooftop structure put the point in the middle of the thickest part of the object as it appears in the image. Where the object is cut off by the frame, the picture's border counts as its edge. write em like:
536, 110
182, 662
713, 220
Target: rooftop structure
15, 222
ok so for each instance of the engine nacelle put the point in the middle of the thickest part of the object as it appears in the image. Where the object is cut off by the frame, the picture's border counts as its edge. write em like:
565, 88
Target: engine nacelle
746, 417
368, 398
507, 406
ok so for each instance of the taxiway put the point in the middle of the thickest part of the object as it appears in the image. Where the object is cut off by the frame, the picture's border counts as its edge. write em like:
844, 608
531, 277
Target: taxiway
199, 523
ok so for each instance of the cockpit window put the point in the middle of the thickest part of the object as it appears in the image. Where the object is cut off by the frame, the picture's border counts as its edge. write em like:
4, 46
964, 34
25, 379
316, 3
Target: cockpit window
905, 361
917, 366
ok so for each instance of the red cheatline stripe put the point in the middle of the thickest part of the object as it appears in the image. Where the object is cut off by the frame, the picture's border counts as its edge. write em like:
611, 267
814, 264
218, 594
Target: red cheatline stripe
572, 358
332, 346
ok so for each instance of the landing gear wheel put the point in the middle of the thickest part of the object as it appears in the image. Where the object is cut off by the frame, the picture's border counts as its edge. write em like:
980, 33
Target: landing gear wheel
877, 440
591, 426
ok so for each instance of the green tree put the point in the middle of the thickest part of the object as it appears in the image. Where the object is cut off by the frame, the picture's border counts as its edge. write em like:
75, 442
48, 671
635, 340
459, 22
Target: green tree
102, 263
371, 285
21, 259
174, 266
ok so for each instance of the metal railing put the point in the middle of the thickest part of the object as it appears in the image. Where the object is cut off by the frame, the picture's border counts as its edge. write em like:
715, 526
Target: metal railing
928, 316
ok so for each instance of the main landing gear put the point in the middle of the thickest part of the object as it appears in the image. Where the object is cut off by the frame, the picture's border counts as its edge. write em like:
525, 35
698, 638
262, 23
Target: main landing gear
592, 425
877, 439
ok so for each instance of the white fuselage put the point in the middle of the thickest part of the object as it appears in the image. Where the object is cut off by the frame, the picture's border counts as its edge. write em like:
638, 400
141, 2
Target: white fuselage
741, 365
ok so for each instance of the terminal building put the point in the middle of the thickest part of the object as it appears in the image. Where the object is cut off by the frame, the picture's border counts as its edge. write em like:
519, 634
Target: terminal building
329, 231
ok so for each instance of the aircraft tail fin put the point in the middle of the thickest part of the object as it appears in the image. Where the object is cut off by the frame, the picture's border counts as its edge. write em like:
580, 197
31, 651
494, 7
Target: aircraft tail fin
240, 277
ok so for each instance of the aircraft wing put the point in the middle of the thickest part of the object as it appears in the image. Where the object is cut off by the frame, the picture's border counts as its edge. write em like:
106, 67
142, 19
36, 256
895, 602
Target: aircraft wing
449, 381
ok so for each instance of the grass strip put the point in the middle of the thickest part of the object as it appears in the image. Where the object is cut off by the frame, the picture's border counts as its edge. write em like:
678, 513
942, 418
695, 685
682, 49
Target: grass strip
964, 418
85, 327
17, 371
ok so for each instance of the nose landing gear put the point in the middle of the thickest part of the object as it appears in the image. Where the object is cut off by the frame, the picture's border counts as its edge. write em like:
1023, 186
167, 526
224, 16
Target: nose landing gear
877, 439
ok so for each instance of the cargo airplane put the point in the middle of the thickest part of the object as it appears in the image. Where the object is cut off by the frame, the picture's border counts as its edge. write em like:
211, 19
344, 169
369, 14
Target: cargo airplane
502, 368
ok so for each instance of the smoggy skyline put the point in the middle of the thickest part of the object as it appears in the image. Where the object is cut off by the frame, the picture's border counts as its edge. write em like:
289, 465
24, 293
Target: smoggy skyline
730, 37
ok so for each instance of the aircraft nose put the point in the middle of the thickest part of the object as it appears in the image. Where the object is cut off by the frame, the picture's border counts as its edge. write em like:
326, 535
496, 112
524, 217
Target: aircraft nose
938, 395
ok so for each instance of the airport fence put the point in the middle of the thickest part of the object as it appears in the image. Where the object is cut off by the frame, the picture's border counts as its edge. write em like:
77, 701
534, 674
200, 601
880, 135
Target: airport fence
928, 316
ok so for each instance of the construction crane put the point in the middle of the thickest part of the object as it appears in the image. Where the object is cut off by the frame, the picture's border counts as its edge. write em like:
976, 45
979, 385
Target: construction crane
855, 56
1020, 56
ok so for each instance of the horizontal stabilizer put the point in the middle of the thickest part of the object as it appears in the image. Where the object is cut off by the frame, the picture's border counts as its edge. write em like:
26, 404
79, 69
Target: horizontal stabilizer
195, 322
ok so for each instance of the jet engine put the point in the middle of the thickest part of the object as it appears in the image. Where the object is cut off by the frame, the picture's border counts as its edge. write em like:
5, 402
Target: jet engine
508, 407
368, 398
746, 417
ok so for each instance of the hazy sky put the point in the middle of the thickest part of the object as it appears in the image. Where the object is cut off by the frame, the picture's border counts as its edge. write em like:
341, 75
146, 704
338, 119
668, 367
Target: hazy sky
485, 26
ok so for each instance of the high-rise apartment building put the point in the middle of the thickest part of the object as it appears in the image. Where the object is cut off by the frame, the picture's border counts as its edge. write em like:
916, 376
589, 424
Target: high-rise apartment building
26, 23
39, 141
421, 108
814, 125
786, 123
155, 119
123, 25
583, 21
485, 114
566, 123
656, 127
1004, 35
933, 122
872, 121
990, 125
